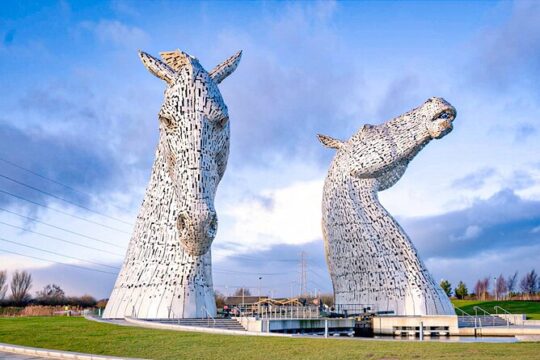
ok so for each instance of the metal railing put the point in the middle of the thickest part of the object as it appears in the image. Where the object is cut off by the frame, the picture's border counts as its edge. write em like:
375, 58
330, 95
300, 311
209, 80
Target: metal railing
289, 312
356, 309
476, 308
463, 312
208, 316
507, 317
475, 318
496, 308
486, 314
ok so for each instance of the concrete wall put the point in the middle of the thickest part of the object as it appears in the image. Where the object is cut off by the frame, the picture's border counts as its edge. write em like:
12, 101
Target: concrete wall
500, 331
309, 324
251, 323
384, 325
514, 319
281, 325
158, 325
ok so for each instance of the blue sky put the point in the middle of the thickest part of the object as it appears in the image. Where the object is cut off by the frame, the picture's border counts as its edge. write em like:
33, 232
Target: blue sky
79, 107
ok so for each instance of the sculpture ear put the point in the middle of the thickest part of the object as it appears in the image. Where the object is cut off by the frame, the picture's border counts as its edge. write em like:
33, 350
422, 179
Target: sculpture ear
226, 68
330, 141
157, 67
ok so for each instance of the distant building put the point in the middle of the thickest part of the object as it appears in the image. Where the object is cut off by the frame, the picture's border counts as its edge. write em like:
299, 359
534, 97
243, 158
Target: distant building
233, 301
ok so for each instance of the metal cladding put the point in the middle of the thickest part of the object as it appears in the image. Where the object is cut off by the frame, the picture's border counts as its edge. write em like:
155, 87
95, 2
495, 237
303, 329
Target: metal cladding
167, 270
370, 258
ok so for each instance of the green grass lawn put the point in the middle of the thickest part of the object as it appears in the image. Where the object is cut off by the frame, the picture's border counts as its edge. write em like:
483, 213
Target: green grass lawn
78, 334
531, 308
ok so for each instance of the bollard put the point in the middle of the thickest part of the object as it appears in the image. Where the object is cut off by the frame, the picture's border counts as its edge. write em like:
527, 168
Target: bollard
326, 328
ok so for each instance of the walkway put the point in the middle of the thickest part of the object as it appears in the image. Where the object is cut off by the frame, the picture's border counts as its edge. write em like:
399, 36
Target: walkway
17, 352
11, 356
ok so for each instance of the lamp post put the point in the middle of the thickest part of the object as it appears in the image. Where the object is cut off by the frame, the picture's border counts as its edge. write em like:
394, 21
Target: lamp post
260, 278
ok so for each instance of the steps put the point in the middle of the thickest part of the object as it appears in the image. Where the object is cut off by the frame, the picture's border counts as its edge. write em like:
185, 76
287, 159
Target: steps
225, 324
481, 321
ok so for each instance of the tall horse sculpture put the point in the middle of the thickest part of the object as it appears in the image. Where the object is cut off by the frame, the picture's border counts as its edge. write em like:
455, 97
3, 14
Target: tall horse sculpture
370, 258
167, 271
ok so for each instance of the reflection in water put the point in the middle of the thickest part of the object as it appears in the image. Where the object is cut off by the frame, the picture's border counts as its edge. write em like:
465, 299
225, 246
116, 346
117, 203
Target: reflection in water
487, 339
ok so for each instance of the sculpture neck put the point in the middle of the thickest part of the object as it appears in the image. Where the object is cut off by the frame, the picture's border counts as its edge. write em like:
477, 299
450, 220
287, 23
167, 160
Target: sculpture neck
409, 135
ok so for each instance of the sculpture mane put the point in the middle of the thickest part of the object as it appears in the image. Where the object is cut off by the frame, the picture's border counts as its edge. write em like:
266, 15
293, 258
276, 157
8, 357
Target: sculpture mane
167, 269
370, 258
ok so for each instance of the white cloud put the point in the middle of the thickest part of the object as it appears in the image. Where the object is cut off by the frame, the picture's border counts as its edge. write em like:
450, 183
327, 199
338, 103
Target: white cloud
117, 33
11, 262
286, 215
471, 232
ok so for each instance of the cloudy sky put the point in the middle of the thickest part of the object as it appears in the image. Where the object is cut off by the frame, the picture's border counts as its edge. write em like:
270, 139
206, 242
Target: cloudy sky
78, 130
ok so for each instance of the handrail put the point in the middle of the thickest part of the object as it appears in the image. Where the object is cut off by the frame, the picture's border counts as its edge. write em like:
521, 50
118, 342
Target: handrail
463, 311
476, 308
497, 307
476, 319
209, 316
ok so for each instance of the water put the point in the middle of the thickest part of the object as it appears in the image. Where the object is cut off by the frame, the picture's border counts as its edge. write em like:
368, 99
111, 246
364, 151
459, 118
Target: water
460, 339
463, 339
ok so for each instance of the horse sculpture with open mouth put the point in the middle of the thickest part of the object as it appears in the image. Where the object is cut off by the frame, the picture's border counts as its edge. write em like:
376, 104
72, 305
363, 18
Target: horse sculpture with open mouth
372, 261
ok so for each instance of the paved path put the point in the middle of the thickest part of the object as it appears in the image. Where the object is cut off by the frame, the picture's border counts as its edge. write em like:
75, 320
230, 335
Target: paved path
17, 352
11, 356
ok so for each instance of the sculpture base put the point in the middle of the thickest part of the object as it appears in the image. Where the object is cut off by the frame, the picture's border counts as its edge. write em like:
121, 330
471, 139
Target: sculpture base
193, 303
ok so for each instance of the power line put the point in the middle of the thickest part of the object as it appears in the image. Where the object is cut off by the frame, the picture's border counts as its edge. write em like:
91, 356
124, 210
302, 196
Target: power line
63, 212
255, 259
247, 286
59, 239
62, 199
218, 270
303, 273
63, 229
57, 262
58, 254
318, 285
318, 274
52, 180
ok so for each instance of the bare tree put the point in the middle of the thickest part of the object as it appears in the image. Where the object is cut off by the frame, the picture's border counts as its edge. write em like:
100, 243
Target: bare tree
21, 282
327, 299
501, 287
529, 283
220, 299
479, 289
482, 288
511, 283
3, 284
242, 292
51, 294
487, 284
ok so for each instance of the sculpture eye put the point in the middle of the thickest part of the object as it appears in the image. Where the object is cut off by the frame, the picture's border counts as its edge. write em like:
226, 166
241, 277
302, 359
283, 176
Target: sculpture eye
223, 120
444, 116
165, 119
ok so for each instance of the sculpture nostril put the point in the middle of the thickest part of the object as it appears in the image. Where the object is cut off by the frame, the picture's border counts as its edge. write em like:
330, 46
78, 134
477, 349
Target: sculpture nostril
212, 226
181, 222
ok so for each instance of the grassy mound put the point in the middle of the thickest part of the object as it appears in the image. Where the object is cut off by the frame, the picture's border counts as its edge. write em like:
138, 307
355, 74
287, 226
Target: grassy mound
77, 334
531, 308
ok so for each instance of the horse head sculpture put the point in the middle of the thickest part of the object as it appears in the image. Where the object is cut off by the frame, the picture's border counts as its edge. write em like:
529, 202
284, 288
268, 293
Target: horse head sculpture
194, 125
370, 258
167, 271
